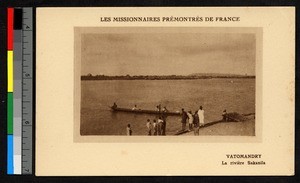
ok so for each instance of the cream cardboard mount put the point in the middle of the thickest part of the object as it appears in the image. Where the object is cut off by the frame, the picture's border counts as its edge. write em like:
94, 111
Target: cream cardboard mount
61, 151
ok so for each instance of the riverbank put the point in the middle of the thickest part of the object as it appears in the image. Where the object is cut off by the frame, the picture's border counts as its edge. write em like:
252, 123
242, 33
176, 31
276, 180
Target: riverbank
244, 128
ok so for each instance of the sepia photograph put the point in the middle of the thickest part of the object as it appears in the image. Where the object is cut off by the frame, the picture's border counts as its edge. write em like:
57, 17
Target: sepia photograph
167, 81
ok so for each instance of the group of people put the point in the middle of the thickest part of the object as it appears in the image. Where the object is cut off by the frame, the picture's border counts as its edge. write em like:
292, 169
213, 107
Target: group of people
158, 108
194, 120
157, 127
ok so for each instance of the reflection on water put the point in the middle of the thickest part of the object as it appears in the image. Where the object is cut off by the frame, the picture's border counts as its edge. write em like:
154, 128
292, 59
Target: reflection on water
214, 95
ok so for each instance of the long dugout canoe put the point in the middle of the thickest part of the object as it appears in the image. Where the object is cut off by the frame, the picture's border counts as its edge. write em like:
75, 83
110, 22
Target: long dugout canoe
140, 111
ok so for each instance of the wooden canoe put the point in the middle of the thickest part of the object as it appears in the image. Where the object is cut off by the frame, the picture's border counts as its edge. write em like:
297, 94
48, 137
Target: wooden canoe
140, 111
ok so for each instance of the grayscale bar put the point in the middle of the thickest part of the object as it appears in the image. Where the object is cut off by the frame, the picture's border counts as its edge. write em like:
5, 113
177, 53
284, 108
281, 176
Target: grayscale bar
17, 125
27, 88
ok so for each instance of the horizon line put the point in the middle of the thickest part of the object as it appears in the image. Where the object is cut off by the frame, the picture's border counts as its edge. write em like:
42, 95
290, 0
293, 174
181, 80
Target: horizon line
195, 74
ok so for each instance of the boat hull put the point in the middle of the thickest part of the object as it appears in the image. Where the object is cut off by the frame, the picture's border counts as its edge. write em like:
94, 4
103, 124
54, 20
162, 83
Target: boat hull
139, 111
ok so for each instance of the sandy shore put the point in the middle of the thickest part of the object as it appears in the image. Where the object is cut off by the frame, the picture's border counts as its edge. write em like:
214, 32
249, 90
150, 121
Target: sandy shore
245, 128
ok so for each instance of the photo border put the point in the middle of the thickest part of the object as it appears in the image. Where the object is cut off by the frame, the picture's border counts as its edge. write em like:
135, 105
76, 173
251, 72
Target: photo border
257, 138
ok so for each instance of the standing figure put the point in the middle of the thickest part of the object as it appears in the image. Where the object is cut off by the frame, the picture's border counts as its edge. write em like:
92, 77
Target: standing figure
154, 127
201, 116
224, 114
164, 118
128, 130
160, 124
149, 127
196, 124
191, 119
183, 119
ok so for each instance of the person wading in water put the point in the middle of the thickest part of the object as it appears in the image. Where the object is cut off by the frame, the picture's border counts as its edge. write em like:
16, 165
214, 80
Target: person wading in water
128, 130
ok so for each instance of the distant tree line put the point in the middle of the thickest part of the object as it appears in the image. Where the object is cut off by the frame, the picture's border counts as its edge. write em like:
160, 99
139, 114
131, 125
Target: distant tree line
157, 77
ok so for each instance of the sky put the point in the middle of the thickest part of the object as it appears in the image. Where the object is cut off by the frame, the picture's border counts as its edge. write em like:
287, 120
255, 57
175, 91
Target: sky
167, 53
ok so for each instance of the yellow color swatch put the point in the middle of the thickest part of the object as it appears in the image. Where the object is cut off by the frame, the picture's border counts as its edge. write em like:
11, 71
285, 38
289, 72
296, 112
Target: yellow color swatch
10, 73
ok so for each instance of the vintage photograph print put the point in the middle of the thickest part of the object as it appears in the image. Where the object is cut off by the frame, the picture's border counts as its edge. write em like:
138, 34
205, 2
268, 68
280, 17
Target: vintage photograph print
153, 81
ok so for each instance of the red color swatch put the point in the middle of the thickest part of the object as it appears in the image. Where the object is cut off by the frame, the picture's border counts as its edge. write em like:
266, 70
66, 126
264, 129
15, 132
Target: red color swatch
10, 28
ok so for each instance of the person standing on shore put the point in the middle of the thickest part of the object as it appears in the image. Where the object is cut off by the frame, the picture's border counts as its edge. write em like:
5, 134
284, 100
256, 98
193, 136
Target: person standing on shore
183, 119
191, 119
201, 116
128, 130
149, 127
196, 124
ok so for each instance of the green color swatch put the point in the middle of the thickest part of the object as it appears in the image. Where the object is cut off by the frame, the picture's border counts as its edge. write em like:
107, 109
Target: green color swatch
10, 113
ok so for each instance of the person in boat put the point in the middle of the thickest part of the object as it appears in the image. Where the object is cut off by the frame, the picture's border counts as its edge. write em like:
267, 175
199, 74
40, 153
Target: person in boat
149, 127
191, 119
154, 127
165, 109
157, 108
128, 130
134, 108
114, 106
224, 115
196, 124
160, 126
183, 119
201, 116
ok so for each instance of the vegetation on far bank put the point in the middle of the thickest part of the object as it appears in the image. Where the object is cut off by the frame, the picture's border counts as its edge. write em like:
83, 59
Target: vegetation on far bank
162, 77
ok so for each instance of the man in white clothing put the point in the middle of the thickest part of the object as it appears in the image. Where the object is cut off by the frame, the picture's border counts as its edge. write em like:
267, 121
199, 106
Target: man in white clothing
201, 116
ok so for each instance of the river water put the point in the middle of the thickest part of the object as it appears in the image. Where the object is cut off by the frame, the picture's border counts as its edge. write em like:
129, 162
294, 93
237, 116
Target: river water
215, 95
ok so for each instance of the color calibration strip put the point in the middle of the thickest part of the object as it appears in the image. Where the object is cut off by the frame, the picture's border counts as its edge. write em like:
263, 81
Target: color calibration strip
10, 84
19, 96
